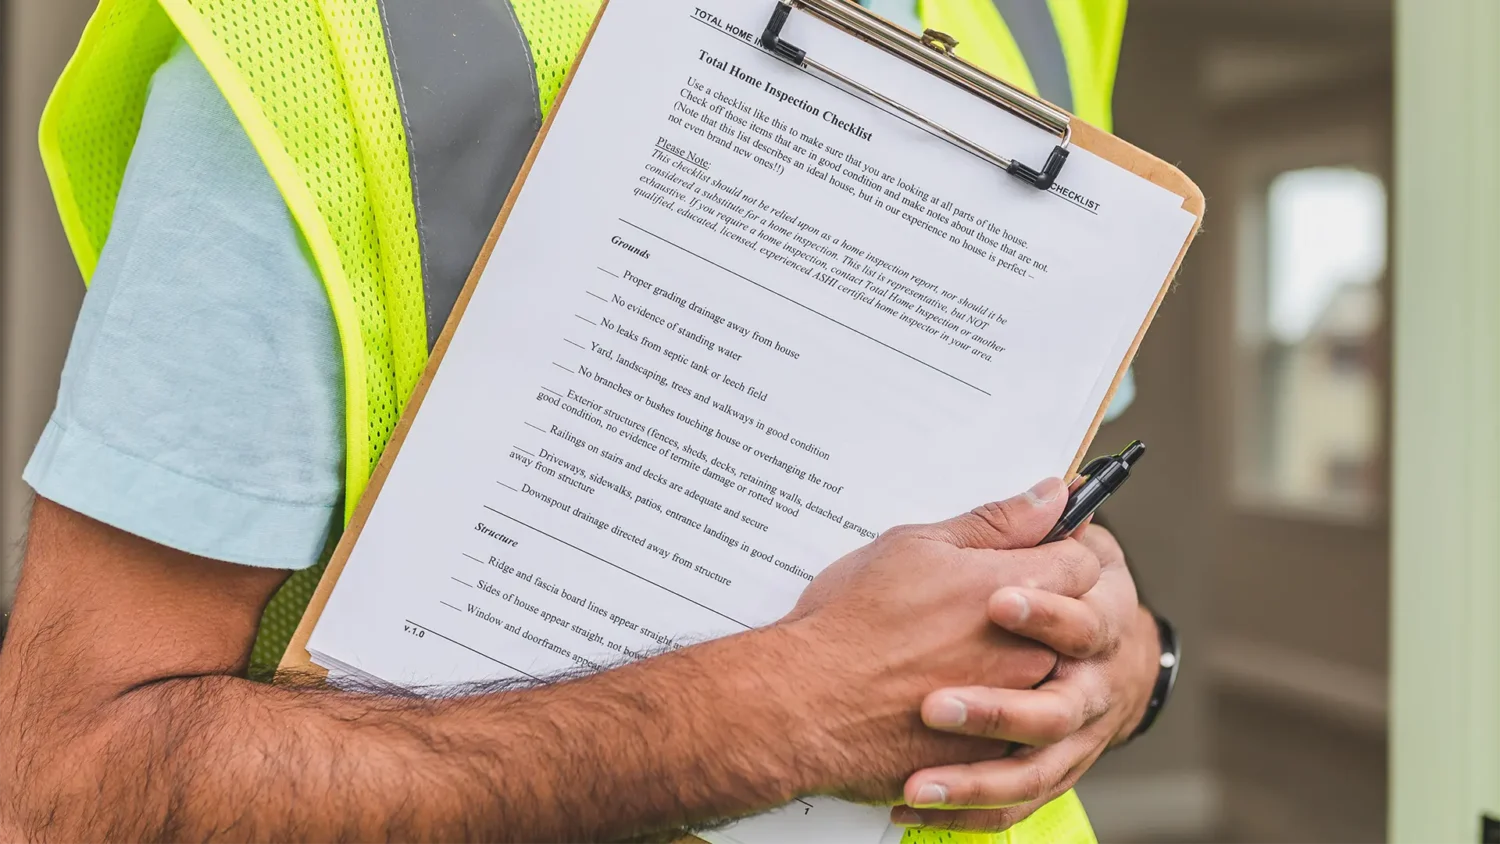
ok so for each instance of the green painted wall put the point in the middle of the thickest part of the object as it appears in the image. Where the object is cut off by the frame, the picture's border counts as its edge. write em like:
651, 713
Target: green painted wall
1445, 671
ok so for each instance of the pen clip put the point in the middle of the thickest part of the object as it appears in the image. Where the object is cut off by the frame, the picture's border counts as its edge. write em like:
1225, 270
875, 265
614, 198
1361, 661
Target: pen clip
1093, 466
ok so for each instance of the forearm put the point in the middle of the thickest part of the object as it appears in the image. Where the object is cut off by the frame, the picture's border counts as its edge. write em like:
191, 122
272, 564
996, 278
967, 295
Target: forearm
683, 739
121, 717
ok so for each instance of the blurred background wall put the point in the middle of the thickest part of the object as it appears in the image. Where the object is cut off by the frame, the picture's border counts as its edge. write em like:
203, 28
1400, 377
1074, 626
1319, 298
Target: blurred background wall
1259, 523
1264, 392
39, 283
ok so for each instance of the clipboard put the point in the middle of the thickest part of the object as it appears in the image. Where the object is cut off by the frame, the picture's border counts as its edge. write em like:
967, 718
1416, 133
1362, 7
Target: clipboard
932, 51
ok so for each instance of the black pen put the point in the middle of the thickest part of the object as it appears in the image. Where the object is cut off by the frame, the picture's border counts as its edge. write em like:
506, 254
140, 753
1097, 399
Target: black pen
1100, 479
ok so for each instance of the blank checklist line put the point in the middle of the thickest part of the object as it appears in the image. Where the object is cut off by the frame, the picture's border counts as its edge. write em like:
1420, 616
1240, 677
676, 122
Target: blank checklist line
579, 345
543, 430
616, 566
469, 649
507, 486
522, 450
597, 296
563, 368
476, 559
587, 320
449, 606
553, 392
460, 582
607, 272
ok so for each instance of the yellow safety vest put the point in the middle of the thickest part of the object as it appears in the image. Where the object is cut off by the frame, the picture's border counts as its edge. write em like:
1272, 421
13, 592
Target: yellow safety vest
394, 130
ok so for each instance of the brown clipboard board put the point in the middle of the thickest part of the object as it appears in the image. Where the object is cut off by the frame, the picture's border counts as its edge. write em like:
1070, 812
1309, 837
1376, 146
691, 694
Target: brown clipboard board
1101, 143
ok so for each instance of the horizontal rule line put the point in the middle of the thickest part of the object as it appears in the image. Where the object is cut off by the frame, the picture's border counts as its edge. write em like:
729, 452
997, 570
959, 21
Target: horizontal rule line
616, 566
470, 649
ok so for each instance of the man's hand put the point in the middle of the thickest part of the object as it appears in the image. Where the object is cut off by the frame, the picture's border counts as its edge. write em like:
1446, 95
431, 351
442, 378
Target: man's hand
123, 715
1093, 701
907, 615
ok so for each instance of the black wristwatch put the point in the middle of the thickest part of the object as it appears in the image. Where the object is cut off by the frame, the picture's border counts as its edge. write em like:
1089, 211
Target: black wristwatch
1166, 677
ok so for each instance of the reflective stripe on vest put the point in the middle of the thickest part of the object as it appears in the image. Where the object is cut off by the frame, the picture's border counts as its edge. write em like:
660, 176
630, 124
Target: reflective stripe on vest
474, 80
394, 131
1064, 51
1035, 34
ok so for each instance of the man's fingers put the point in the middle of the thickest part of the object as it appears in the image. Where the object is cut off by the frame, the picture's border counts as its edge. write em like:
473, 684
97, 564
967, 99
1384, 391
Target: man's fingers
965, 820
1019, 522
1066, 568
1035, 717
1072, 627
1103, 544
999, 783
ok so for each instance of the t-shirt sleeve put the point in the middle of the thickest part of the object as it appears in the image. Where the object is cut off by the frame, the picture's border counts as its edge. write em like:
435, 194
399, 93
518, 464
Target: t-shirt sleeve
1124, 397
201, 404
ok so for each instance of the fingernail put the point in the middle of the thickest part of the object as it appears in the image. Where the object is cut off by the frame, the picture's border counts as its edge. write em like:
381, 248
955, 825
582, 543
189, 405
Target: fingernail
1045, 492
947, 712
905, 816
931, 794
1019, 607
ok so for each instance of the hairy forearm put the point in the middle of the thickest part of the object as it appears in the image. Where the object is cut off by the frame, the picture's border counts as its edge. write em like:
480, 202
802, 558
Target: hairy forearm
683, 739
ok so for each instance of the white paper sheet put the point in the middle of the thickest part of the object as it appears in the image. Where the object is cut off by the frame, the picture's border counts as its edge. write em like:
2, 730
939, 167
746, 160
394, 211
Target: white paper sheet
739, 322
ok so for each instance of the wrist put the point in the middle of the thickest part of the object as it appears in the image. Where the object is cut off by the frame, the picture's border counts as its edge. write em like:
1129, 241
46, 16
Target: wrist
846, 708
1141, 663
783, 698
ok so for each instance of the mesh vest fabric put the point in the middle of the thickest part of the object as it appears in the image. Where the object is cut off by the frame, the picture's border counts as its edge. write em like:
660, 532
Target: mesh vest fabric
334, 142
1063, 821
311, 82
555, 30
1089, 32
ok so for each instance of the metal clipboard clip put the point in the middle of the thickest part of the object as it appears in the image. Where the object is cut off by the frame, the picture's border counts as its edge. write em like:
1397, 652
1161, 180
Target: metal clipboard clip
932, 51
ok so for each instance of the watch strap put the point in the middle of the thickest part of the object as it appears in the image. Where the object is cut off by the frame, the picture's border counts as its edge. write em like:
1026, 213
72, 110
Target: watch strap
1166, 677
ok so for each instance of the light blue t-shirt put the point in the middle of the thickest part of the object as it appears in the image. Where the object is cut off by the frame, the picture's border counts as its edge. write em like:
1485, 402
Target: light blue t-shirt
202, 402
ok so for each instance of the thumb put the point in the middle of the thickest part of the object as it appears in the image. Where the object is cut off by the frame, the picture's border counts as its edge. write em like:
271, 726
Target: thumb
1019, 522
